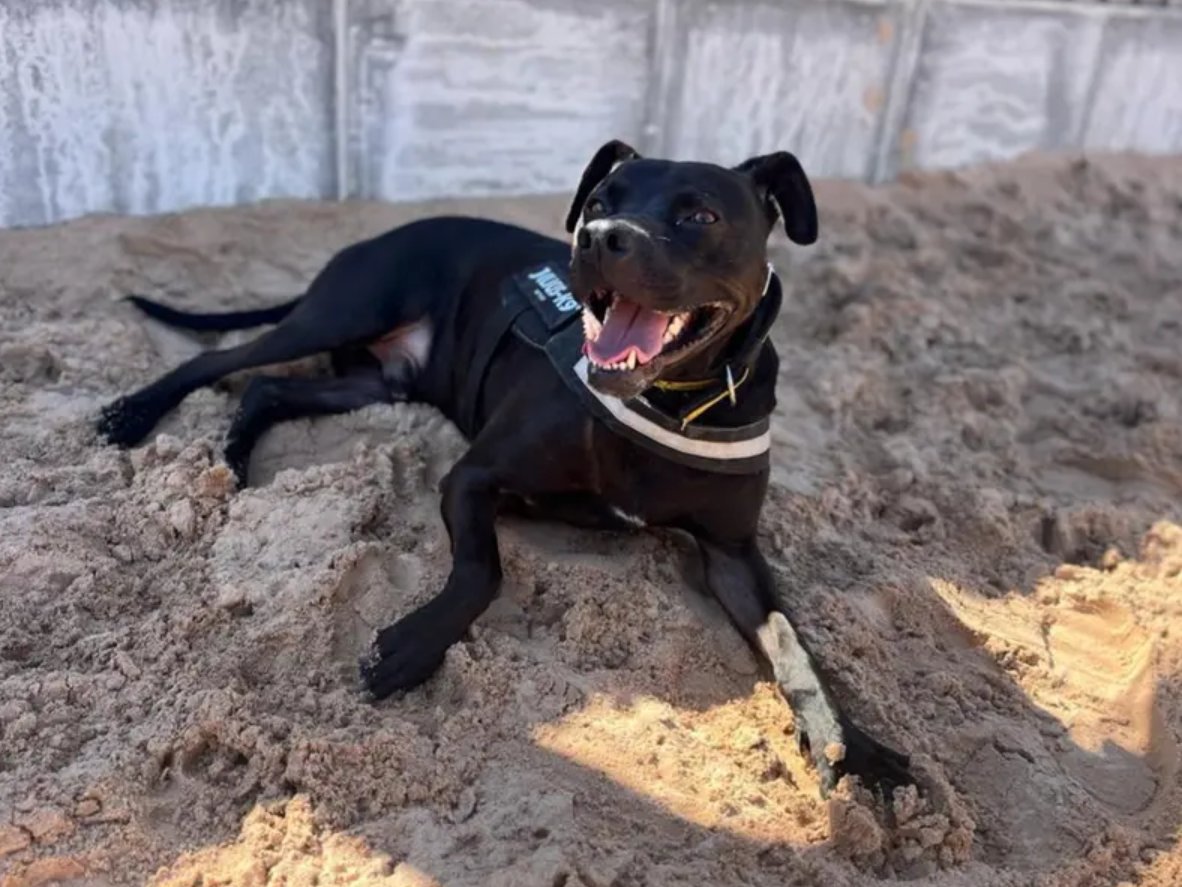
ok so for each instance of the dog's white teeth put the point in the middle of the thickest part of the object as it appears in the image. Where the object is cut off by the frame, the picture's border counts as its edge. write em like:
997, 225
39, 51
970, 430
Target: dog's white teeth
629, 364
591, 325
676, 325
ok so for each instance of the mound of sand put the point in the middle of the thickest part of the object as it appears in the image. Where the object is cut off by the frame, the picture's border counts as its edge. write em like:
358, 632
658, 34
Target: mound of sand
975, 507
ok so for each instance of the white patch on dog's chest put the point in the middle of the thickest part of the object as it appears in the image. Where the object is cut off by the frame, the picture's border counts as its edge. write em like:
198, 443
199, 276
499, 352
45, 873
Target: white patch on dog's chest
631, 519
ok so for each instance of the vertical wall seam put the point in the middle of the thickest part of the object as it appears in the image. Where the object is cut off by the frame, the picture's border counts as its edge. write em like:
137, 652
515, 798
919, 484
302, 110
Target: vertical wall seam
654, 138
908, 51
1089, 99
340, 97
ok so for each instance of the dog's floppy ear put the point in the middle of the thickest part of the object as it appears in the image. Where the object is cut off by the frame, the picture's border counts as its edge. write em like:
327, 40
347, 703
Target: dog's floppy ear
781, 180
597, 170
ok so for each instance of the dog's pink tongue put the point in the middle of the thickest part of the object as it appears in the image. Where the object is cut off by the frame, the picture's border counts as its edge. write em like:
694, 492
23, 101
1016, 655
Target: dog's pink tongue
629, 326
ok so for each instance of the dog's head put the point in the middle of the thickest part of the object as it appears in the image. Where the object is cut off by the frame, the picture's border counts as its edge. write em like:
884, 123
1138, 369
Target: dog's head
670, 258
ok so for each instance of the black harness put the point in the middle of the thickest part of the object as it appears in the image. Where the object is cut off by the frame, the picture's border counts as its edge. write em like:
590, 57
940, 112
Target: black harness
540, 310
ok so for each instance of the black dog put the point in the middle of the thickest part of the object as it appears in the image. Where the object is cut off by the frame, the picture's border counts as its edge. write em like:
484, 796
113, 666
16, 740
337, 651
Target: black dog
651, 412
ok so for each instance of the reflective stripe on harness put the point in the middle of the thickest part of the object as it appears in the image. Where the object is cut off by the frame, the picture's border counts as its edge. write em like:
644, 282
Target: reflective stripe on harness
701, 449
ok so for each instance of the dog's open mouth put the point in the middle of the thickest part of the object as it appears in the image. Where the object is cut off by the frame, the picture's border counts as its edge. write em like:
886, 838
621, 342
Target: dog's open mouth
621, 335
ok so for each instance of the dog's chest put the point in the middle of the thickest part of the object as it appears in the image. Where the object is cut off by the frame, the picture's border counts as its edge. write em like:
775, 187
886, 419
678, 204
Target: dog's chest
637, 489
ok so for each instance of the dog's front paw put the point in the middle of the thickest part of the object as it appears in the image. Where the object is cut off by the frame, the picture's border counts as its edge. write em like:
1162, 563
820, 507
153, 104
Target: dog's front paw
126, 421
819, 737
837, 747
403, 656
880, 767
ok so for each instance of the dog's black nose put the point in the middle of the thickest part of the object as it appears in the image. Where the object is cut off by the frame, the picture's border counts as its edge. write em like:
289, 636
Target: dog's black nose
607, 238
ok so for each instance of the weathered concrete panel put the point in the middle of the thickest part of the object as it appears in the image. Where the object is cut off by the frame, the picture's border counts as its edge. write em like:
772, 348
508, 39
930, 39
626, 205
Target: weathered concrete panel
808, 76
993, 82
151, 105
1137, 100
483, 97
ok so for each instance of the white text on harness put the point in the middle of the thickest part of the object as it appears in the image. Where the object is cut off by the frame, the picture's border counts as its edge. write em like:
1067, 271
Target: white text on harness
552, 288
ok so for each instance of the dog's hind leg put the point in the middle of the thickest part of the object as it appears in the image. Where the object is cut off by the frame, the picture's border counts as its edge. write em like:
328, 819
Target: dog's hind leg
129, 419
269, 400
362, 294
740, 578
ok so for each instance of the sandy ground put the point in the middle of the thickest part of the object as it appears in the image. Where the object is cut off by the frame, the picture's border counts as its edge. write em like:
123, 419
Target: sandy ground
975, 506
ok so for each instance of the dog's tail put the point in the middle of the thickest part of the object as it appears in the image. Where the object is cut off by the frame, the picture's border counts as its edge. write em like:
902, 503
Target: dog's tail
213, 322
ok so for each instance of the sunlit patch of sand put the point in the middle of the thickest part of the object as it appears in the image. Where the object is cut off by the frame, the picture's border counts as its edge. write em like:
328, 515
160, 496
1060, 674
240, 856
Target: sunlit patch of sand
282, 844
732, 767
1081, 655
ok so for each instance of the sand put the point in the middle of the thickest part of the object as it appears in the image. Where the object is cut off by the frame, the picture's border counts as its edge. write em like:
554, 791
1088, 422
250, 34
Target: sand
975, 507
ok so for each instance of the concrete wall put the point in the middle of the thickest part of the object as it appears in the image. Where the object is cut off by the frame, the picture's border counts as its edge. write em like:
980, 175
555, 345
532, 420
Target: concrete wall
153, 105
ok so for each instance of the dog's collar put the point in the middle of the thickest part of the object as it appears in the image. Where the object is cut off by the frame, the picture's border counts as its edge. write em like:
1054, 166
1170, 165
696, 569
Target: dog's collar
677, 434
708, 448
736, 366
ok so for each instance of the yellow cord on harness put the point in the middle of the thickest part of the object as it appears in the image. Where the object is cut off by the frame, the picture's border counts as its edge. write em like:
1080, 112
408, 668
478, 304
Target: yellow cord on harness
696, 385
714, 401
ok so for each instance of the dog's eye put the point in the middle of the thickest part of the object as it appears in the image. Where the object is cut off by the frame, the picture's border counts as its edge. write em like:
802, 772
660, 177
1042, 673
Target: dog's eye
595, 207
702, 217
